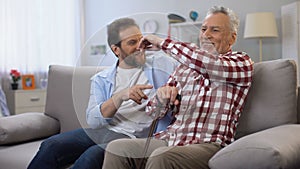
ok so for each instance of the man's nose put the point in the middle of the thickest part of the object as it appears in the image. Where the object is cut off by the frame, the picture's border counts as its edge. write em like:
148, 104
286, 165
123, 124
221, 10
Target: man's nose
206, 34
137, 48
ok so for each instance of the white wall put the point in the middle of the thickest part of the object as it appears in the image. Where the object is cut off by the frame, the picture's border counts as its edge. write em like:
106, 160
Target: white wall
99, 13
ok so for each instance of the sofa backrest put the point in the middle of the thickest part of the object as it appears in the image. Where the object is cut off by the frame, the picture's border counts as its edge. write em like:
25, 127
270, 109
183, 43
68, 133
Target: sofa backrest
272, 98
68, 93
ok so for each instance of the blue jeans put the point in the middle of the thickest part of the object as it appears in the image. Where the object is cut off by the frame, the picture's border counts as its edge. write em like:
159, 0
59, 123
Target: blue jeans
85, 147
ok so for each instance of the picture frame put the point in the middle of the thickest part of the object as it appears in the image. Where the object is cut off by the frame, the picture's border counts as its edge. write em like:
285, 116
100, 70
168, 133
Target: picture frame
97, 49
28, 82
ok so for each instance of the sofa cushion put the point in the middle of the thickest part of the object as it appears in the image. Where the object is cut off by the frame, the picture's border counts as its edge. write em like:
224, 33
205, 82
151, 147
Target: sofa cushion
272, 97
18, 156
276, 147
26, 127
68, 93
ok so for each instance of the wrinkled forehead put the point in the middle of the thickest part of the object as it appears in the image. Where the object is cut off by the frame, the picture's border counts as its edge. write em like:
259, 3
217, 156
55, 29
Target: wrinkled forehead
132, 32
219, 20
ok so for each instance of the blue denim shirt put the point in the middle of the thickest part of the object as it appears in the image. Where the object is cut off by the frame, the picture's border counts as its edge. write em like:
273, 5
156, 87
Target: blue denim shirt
157, 69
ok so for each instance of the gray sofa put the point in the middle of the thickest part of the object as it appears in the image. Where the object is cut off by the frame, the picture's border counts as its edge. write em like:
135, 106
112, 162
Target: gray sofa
267, 137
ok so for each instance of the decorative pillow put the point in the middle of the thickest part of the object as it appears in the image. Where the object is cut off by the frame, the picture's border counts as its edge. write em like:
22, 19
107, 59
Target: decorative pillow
276, 147
272, 98
25, 127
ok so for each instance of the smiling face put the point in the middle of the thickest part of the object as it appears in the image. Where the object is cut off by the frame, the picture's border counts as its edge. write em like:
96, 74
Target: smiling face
127, 49
216, 31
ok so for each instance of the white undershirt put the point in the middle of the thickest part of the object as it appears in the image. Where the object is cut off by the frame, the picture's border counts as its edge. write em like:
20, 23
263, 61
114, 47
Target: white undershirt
131, 118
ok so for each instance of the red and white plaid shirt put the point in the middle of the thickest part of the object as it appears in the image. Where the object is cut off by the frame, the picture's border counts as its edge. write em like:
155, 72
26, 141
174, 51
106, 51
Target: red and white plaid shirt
213, 90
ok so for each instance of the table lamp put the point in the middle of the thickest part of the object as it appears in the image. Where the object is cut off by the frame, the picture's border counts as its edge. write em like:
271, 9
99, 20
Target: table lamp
260, 25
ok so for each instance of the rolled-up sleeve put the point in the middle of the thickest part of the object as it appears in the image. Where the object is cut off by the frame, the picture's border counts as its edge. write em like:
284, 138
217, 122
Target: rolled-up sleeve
98, 95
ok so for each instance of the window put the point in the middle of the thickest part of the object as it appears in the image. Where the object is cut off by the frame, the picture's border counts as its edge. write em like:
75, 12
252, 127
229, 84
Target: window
37, 33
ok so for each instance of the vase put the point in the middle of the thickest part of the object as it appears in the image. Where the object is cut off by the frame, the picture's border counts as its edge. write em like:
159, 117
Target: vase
14, 86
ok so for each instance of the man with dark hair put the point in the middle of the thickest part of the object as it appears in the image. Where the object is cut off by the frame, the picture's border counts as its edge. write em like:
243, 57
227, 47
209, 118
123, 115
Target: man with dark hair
116, 107
213, 82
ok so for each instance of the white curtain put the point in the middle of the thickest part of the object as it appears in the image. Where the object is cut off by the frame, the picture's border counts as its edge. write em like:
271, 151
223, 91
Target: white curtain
37, 33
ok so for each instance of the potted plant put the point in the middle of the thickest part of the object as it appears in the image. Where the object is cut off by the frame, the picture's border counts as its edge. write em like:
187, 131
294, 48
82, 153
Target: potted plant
15, 77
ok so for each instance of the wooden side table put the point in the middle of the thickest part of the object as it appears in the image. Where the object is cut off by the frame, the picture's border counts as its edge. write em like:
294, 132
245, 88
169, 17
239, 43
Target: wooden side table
22, 101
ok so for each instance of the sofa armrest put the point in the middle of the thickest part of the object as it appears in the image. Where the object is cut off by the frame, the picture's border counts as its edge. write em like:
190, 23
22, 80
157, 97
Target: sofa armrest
26, 127
276, 147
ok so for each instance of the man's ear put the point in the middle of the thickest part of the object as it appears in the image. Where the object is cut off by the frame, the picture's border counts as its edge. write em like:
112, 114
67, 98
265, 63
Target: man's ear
233, 38
115, 49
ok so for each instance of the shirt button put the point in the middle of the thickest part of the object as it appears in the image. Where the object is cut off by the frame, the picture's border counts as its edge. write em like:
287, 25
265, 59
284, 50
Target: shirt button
206, 82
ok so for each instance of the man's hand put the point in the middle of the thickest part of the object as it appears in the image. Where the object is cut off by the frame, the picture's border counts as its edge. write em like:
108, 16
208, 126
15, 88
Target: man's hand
167, 95
136, 93
150, 42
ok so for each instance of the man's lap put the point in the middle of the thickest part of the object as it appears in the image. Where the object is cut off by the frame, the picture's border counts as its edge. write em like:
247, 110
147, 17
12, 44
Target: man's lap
65, 148
86, 136
133, 147
190, 156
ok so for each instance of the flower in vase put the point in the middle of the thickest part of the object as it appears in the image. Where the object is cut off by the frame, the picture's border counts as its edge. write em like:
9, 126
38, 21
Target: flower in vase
15, 75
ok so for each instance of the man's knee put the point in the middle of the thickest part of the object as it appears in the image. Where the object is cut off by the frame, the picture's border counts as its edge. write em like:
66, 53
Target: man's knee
132, 148
118, 147
49, 144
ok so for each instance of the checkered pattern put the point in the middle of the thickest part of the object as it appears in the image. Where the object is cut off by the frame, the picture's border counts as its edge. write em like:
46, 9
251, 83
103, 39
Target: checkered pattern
213, 89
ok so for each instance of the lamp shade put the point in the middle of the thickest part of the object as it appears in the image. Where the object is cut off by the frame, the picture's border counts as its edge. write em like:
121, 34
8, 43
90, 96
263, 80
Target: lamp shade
260, 25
